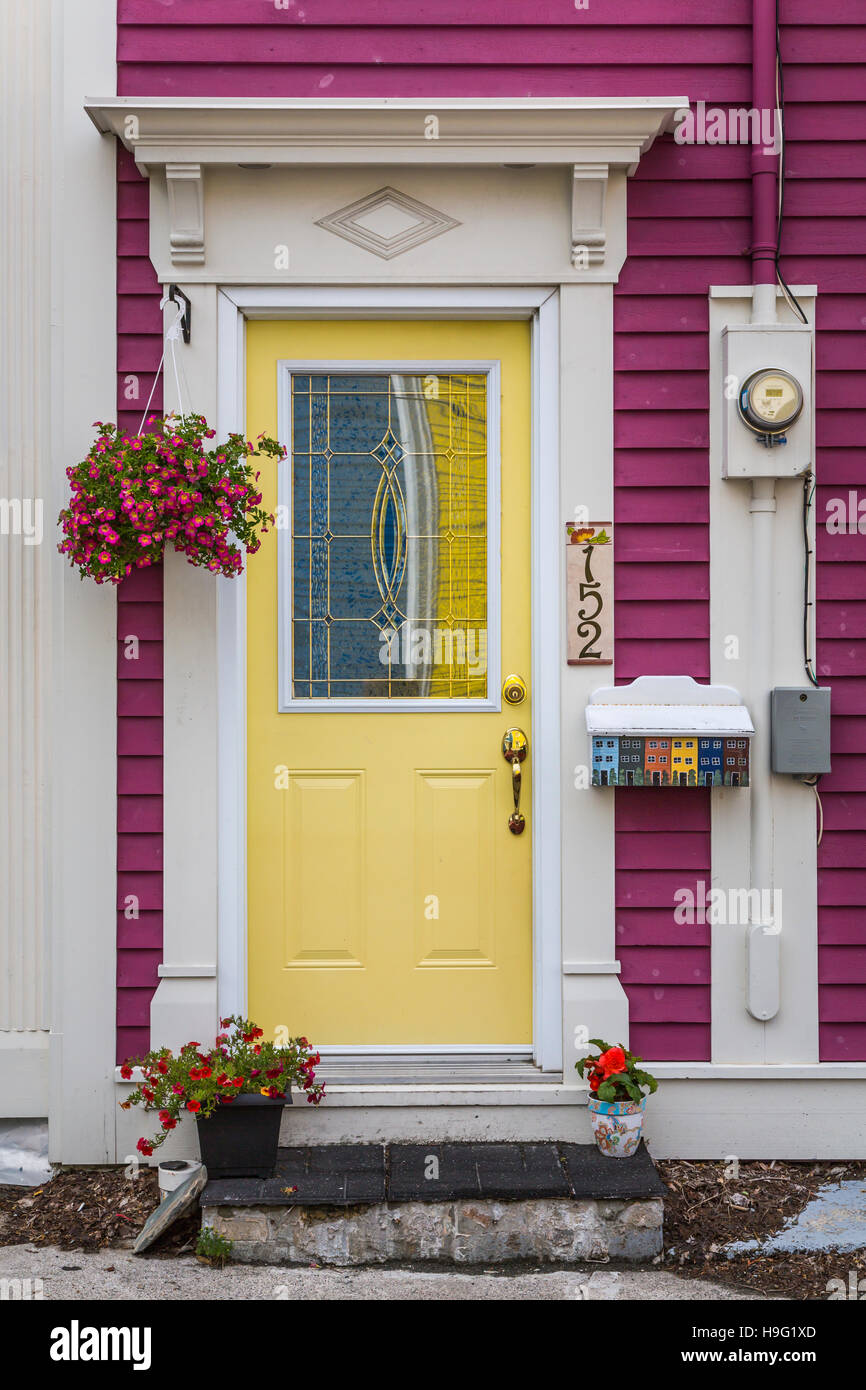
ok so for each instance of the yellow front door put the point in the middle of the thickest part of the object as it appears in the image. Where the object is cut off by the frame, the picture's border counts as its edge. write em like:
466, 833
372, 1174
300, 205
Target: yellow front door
389, 902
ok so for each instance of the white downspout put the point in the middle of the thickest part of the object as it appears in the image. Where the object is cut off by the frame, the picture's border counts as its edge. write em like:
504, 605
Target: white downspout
763, 943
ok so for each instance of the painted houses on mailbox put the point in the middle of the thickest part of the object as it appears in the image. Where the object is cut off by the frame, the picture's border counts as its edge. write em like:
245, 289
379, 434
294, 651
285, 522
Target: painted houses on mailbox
605, 762
710, 757
631, 756
481, 274
657, 762
665, 762
736, 762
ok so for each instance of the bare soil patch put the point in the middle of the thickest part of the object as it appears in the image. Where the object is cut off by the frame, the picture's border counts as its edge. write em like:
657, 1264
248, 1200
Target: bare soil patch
90, 1209
710, 1204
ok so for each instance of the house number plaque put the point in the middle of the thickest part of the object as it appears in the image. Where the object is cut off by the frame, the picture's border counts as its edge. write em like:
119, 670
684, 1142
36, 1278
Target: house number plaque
589, 593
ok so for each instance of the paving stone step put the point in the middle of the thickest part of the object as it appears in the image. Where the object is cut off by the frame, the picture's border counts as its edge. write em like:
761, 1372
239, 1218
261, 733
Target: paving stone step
353, 1174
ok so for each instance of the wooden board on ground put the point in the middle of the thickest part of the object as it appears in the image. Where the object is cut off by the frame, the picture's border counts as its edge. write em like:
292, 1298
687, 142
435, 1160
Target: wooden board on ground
168, 1211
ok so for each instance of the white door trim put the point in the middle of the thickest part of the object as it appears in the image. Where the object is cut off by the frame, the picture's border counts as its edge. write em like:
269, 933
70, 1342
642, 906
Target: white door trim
541, 308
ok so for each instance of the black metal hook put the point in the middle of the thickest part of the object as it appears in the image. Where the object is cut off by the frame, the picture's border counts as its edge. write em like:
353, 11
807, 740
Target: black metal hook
176, 296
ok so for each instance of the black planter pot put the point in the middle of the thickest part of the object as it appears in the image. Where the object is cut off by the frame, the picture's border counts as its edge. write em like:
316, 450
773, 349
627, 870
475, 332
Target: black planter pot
240, 1140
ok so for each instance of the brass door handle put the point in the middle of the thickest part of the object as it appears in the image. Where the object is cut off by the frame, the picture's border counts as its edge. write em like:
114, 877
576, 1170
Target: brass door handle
514, 749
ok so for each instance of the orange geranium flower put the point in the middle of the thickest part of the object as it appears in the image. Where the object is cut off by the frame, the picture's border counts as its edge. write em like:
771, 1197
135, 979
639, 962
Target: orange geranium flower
612, 1061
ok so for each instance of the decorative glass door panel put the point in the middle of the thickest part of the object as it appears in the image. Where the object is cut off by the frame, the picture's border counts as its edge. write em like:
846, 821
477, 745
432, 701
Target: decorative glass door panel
391, 569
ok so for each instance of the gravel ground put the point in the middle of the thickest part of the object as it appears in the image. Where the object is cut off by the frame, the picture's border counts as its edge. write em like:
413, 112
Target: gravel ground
720, 1241
115, 1274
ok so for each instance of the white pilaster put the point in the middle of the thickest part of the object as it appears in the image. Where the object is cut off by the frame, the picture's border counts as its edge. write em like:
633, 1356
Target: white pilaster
25, 422
595, 1004
57, 635
185, 1003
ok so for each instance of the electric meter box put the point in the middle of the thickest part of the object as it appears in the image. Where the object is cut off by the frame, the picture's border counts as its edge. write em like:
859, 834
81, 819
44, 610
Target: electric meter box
748, 348
800, 717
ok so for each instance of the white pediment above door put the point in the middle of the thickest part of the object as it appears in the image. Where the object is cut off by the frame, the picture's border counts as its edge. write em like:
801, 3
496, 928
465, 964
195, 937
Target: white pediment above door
529, 189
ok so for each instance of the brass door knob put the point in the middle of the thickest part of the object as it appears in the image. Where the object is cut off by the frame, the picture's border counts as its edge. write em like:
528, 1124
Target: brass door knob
514, 690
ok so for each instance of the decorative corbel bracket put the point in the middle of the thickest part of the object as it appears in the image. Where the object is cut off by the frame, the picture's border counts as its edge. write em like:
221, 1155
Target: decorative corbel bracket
588, 231
185, 186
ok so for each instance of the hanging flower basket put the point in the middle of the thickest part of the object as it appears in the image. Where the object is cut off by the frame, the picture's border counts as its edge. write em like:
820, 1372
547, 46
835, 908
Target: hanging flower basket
133, 495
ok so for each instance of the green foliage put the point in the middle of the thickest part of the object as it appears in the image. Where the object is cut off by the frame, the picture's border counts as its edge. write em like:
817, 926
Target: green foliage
213, 1247
613, 1074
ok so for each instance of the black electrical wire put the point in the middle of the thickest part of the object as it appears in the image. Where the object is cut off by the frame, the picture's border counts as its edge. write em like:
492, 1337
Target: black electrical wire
808, 491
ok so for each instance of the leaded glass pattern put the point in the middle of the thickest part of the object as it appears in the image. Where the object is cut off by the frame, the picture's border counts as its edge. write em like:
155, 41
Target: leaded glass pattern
389, 536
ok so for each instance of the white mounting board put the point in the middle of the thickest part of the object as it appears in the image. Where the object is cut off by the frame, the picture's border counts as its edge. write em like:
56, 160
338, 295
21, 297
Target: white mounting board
668, 704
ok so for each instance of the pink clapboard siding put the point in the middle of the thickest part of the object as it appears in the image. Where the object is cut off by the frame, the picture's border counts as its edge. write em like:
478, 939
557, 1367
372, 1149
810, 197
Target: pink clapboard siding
139, 614
139, 805
689, 227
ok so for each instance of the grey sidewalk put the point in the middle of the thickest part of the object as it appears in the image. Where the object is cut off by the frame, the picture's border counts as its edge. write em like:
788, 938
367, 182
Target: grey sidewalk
115, 1274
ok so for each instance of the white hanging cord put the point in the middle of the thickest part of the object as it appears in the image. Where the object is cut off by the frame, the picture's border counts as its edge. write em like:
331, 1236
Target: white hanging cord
813, 783
820, 814
178, 366
171, 337
152, 389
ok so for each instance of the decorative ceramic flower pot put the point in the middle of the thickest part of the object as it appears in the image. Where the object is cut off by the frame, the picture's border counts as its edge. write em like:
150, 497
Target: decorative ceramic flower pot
617, 1125
240, 1140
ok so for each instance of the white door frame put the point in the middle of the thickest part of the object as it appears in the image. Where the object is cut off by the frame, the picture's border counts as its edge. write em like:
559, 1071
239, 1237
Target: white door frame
540, 306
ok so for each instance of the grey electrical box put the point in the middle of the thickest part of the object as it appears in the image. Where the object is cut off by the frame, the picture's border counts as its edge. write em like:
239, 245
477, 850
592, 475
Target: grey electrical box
801, 729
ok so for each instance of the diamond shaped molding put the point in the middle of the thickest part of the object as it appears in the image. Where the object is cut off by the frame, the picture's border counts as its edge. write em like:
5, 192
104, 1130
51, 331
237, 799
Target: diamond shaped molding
387, 223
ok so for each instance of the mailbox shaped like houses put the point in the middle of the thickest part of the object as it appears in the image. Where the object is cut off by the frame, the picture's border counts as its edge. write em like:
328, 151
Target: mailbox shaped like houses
669, 731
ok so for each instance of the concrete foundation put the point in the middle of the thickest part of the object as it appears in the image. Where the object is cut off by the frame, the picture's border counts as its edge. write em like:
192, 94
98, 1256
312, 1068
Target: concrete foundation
469, 1232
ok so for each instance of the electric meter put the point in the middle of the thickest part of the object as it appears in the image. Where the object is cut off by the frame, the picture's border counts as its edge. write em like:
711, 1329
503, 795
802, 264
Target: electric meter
770, 400
766, 399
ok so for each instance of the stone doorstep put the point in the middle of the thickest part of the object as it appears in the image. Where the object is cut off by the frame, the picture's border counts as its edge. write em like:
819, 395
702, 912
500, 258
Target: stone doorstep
478, 1204
346, 1174
482, 1232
